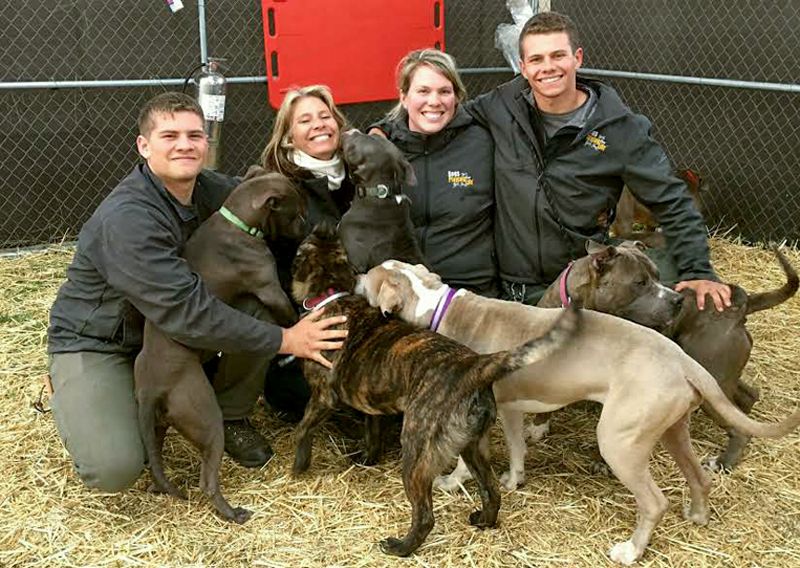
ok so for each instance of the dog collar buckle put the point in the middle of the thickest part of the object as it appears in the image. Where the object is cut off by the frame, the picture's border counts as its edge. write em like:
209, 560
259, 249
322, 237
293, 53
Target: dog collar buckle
381, 191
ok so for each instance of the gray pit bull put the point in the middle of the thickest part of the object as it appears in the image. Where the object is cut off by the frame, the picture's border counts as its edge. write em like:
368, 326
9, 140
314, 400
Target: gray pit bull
623, 281
377, 226
171, 387
648, 386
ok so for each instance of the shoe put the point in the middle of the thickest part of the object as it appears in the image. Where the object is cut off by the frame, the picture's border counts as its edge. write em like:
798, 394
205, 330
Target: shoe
245, 445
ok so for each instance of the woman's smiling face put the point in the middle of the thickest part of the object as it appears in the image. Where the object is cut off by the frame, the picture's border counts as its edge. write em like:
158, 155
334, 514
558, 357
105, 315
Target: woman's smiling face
314, 129
430, 101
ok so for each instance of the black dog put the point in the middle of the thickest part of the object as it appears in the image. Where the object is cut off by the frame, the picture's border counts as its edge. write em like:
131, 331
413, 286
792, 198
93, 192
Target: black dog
377, 227
388, 366
171, 387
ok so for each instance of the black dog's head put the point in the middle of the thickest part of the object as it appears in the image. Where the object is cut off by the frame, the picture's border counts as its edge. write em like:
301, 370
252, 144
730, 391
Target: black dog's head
321, 264
373, 160
270, 202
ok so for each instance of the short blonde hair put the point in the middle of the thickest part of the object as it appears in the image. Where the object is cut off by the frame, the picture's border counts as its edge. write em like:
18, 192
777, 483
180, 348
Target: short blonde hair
275, 156
437, 60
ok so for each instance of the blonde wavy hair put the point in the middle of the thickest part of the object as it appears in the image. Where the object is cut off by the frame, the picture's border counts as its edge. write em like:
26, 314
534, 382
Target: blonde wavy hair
439, 61
275, 156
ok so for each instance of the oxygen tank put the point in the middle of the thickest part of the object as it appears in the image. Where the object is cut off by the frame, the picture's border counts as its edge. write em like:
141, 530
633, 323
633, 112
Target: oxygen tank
210, 84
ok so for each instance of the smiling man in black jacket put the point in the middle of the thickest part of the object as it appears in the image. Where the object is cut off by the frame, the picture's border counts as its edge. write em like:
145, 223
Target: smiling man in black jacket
127, 267
564, 149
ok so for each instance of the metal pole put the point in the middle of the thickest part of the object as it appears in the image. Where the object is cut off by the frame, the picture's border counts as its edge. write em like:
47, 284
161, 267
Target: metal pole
201, 20
705, 81
115, 83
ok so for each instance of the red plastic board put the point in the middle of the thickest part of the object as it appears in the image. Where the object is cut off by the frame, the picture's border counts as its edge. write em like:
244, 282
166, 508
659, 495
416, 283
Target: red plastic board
352, 46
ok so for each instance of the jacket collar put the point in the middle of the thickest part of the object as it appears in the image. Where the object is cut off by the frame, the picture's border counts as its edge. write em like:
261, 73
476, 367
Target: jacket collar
414, 143
185, 213
516, 96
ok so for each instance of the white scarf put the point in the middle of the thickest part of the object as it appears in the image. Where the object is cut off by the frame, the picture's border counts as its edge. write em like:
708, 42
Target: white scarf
333, 169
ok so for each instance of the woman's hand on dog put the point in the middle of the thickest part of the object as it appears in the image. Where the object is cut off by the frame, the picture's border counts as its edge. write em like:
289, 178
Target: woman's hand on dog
309, 337
720, 293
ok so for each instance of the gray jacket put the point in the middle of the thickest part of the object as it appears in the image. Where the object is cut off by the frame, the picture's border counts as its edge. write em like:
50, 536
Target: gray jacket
452, 204
128, 266
552, 195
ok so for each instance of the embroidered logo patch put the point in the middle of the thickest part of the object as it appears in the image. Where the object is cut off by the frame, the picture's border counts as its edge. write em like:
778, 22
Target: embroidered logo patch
459, 179
596, 141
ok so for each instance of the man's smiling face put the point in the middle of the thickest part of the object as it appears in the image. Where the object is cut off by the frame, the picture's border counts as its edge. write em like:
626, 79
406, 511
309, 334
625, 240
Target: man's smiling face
550, 66
175, 147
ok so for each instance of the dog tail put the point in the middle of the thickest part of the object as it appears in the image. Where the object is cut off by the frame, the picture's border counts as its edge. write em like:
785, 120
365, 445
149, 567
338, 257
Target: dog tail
708, 387
767, 300
535, 350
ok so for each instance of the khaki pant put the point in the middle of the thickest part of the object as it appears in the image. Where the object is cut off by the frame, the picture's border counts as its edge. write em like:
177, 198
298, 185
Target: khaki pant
95, 410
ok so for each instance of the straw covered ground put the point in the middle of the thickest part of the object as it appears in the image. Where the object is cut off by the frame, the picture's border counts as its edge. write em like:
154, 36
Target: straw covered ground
333, 516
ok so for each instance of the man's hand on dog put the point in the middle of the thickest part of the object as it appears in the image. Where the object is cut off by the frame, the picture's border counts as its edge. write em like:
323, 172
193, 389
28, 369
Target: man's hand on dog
720, 293
309, 337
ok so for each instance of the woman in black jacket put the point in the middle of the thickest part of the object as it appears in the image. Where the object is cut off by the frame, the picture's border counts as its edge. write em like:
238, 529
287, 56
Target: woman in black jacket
305, 146
452, 205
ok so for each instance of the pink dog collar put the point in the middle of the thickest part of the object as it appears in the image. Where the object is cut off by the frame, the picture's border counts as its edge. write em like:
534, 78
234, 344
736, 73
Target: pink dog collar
441, 308
313, 304
562, 286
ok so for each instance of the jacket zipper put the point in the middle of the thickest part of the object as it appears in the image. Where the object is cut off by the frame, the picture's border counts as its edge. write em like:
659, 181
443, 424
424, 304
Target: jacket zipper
426, 188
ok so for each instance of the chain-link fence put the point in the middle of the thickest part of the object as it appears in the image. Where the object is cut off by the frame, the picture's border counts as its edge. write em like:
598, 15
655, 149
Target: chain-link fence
62, 149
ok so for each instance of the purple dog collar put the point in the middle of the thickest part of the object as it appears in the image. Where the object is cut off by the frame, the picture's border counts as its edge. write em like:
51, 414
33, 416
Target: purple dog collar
562, 286
441, 308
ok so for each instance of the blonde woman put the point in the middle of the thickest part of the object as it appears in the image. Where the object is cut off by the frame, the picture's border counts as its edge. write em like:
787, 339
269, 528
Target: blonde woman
452, 205
305, 146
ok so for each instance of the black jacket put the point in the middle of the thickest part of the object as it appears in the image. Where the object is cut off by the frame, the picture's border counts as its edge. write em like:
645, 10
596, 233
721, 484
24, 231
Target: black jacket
554, 195
128, 266
452, 205
322, 205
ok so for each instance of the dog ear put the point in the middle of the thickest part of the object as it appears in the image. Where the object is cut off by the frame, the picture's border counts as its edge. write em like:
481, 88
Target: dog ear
602, 256
267, 200
593, 247
389, 298
254, 171
408, 175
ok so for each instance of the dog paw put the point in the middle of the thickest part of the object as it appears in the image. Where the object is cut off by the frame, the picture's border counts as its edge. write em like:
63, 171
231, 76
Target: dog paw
446, 482
394, 547
241, 515
478, 519
716, 465
536, 432
697, 517
624, 553
511, 480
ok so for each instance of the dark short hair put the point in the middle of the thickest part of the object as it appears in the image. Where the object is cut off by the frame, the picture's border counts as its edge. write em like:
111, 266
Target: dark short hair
549, 23
166, 103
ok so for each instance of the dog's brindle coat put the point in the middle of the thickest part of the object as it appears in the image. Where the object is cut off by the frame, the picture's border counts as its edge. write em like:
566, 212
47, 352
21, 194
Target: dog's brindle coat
388, 366
378, 225
648, 386
623, 281
171, 387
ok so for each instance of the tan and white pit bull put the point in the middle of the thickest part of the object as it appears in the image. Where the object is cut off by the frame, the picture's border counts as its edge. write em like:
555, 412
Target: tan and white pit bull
648, 386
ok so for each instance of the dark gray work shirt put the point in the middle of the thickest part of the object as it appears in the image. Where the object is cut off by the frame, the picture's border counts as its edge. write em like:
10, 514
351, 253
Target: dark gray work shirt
128, 266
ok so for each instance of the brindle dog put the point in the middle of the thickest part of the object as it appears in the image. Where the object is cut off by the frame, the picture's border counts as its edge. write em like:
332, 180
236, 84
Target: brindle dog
171, 387
388, 366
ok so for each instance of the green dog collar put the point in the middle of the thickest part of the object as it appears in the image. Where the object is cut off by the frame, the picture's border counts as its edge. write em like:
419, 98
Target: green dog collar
238, 223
